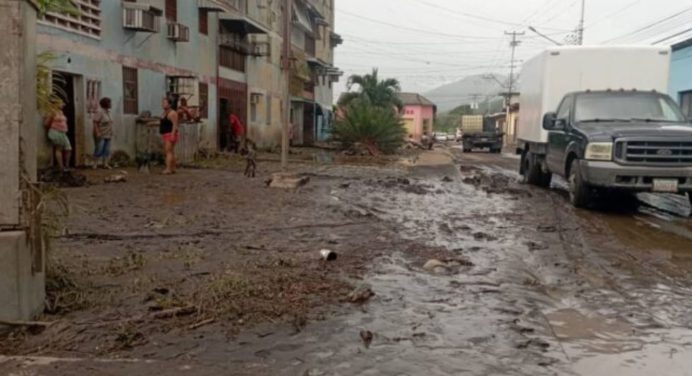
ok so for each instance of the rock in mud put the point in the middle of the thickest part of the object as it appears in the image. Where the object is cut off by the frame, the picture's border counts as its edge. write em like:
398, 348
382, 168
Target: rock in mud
433, 264
447, 179
360, 295
366, 336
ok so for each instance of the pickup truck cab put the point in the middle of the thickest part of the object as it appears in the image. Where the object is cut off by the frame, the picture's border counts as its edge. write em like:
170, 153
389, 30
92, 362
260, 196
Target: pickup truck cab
614, 140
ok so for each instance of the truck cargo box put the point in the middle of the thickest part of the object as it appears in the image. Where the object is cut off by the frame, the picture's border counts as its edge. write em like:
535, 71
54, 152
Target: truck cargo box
546, 78
472, 124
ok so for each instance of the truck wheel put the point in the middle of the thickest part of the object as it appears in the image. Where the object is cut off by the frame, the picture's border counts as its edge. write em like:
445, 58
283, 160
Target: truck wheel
579, 191
532, 170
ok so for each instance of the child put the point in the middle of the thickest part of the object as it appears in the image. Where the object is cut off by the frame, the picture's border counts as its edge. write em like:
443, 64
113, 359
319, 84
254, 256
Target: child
250, 155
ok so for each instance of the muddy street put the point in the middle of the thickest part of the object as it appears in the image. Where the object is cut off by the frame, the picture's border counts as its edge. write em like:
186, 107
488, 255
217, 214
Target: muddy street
472, 272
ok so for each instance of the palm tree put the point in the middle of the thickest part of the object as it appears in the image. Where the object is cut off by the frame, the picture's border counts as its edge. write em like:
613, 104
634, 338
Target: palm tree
57, 6
372, 91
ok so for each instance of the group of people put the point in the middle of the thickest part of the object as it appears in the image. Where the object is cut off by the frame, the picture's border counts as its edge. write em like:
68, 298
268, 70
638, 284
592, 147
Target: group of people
169, 129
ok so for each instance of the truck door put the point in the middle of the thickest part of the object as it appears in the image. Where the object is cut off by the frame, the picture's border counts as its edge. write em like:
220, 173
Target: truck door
558, 140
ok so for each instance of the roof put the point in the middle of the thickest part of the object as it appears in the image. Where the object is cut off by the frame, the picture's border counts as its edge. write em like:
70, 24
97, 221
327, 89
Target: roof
682, 44
415, 99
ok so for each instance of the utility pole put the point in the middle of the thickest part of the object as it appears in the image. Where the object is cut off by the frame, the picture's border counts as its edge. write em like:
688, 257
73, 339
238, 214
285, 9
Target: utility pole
286, 66
580, 30
513, 44
545, 36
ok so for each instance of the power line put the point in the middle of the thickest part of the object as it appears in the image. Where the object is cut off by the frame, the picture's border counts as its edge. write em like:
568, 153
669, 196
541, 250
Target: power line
469, 15
436, 33
673, 36
649, 26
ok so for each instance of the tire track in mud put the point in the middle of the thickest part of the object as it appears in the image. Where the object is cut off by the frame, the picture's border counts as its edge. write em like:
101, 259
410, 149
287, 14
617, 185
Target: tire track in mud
599, 286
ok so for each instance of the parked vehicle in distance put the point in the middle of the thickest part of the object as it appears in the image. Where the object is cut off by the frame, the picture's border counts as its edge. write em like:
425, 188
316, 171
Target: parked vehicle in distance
479, 132
441, 137
598, 117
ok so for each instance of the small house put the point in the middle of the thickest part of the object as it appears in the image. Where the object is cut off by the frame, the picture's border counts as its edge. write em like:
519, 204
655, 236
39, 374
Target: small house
418, 114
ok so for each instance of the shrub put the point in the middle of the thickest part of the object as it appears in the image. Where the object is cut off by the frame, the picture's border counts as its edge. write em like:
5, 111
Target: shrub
377, 128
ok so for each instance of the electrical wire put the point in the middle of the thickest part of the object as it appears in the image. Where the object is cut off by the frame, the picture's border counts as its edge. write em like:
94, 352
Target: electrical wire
649, 26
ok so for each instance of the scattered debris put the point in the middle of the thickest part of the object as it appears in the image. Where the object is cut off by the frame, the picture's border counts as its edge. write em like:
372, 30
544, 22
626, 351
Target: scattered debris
483, 236
175, 312
201, 324
328, 255
366, 336
433, 264
533, 246
116, 178
447, 179
287, 181
546, 228
534, 342
360, 295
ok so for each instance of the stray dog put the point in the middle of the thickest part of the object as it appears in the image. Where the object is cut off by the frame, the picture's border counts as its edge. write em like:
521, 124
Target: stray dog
250, 158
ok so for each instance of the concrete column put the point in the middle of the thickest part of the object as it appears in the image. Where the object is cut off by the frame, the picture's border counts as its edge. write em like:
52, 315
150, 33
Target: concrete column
22, 281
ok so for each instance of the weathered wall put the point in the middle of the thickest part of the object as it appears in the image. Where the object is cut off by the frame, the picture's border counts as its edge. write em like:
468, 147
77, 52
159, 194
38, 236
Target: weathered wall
22, 282
155, 57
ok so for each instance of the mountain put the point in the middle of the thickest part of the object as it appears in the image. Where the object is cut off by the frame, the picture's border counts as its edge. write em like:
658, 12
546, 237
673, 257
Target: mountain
471, 89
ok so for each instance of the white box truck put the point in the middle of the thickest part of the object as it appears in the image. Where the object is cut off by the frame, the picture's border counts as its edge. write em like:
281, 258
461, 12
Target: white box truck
598, 116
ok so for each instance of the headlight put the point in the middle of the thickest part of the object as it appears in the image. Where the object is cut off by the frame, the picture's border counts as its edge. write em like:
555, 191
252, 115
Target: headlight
599, 151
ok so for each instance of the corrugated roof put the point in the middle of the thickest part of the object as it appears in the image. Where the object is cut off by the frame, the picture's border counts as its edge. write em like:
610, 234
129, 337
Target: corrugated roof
415, 99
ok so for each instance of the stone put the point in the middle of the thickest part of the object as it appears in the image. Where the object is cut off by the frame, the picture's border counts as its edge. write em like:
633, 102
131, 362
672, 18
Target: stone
433, 264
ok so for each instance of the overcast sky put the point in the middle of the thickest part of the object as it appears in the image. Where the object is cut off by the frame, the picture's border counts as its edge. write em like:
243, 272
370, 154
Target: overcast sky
426, 43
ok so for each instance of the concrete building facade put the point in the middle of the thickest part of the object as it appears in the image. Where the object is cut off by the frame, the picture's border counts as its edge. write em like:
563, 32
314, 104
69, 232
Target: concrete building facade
223, 56
22, 265
312, 73
418, 115
681, 76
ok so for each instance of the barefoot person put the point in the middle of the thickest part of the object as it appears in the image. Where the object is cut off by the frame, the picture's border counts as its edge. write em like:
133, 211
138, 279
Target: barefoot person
56, 124
103, 133
169, 132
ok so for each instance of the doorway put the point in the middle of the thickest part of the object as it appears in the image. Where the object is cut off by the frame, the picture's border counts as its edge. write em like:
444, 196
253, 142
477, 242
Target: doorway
64, 84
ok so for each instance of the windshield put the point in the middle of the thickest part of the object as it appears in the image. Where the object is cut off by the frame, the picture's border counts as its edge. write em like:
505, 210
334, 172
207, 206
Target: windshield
626, 107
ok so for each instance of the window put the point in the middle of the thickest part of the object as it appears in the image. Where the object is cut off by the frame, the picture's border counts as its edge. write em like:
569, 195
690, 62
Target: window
269, 110
203, 100
172, 10
686, 103
203, 22
87, 23
93, 95
565, 109
130, 91
232, 59
255, 99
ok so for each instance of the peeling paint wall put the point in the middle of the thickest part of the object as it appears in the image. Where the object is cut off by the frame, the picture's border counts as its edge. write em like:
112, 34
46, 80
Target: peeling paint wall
153, 54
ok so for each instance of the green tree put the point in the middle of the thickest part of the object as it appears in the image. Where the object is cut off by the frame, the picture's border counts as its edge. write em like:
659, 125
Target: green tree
379, 129
372, 90
56, 6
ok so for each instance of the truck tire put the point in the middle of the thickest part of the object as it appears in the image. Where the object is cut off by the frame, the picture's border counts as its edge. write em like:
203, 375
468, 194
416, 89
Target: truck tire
531, 170
579, 191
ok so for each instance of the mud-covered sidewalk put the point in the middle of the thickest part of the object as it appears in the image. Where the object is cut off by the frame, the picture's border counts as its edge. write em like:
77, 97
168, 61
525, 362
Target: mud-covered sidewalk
209, 273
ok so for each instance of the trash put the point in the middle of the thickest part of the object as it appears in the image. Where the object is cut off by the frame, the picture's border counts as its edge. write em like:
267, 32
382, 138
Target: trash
328, 255
360, 295
116, 178
287, 181
366, 336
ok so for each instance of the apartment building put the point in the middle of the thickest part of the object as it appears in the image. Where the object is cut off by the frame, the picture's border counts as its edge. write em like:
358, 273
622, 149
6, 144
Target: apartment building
223, 56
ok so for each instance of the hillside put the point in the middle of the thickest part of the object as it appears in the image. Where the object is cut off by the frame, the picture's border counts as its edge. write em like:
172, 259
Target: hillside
464, 91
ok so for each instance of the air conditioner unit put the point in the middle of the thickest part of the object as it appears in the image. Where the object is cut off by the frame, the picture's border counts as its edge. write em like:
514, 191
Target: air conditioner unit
255, 98
140, 20
178, 32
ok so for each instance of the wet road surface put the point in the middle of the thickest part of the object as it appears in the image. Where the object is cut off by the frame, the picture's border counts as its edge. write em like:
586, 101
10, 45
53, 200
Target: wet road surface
532, 287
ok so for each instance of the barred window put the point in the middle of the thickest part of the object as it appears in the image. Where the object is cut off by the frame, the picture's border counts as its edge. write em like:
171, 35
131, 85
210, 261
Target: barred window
204, 100
130, 91
88, 22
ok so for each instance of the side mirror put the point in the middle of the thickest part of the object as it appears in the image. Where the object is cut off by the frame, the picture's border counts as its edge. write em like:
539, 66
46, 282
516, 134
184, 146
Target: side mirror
549, 121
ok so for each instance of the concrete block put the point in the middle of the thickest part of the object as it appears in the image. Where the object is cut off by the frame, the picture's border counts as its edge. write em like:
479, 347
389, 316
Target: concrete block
22, 291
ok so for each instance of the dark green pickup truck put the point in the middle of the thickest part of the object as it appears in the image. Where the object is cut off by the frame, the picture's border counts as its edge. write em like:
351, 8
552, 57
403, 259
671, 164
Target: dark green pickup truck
614, 140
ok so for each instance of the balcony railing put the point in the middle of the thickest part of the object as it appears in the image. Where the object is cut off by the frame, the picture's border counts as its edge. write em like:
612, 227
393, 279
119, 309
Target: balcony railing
239, 44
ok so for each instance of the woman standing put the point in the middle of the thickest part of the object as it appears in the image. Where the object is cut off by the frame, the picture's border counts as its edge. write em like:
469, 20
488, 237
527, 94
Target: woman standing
56, 124
169, 132
103, 133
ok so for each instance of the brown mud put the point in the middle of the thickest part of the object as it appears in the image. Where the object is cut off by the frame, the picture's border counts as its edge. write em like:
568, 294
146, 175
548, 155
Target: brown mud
534, 286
